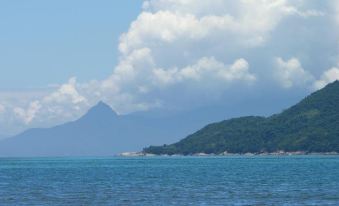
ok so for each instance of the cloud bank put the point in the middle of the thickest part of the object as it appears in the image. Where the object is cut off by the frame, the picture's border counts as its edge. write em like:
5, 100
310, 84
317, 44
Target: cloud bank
196, 52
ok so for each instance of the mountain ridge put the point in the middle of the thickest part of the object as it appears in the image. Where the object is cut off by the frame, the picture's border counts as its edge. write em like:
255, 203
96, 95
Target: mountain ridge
102, 132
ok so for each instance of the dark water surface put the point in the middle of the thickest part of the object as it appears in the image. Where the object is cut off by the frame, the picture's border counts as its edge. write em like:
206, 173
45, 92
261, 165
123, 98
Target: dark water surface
295, 180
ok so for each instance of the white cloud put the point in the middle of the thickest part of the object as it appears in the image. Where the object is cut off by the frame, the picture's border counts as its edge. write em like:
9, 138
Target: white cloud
138, 76
206, 70
245, 23
64, 103
29, 114
290, 73
328, 76
66, 93
188, 44
193, 49
218, 7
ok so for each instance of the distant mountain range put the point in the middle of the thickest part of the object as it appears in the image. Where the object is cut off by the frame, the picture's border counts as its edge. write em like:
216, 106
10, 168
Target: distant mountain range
310, 126
101, 132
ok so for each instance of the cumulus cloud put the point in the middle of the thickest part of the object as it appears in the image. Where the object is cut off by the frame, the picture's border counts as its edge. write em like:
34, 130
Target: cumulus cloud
29, 114
66, 93
189, 49
64, 102
219, 7
290, 73
246, 23
328, 76
185, 42
206, 70
138, 77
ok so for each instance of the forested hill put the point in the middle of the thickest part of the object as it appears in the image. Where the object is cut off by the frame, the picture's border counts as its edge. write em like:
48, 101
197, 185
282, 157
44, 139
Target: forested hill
310, 126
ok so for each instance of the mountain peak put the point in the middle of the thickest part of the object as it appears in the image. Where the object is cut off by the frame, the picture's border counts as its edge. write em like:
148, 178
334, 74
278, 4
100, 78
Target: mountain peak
101, 110
102, 104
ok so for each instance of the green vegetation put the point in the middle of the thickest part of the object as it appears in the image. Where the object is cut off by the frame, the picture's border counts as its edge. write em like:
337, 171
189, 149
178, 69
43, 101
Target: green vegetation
310, 126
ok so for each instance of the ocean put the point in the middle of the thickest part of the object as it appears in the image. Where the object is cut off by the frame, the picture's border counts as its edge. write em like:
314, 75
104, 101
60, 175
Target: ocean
231, 180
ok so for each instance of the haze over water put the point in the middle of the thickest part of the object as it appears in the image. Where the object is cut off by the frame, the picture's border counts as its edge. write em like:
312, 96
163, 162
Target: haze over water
234, 180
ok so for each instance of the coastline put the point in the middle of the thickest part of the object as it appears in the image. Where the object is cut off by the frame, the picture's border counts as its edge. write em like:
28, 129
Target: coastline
224, 154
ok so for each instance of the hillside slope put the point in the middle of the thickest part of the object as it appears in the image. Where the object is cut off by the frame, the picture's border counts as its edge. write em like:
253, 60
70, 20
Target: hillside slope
310, 126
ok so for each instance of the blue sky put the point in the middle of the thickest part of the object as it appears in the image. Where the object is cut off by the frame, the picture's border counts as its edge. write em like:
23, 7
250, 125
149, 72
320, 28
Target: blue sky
59, 58
47, 42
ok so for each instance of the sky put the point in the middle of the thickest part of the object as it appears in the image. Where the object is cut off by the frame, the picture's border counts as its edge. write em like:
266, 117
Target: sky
47, 42
59, 58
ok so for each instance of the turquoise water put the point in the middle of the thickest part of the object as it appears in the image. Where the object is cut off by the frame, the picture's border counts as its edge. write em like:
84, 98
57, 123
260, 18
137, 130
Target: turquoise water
299, 180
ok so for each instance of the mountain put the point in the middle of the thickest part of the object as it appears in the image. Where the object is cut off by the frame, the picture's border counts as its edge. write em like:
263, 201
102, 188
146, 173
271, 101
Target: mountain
310, 126
2, 136
102, 132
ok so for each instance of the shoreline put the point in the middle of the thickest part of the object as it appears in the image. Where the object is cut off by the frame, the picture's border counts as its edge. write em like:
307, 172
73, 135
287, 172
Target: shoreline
225, 154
